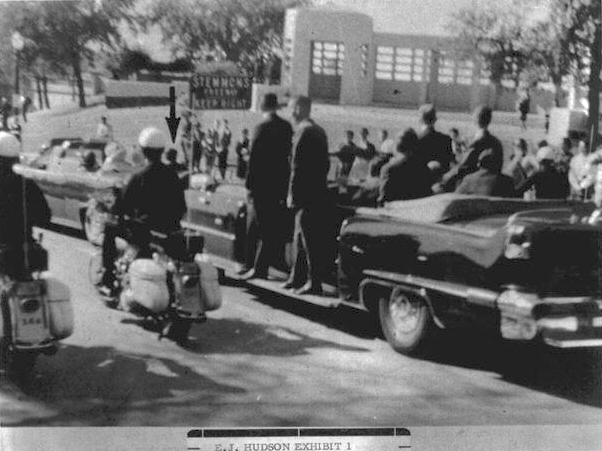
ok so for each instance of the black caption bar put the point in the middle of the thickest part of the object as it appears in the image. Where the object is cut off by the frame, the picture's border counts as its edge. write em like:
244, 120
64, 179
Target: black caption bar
299, 432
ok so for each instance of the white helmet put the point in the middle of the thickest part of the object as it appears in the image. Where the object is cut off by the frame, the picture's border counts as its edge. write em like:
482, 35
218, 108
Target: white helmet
9, 145
153, 138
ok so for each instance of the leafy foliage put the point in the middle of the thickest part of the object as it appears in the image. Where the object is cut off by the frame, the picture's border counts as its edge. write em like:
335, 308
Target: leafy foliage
582, 20
227, 29
64, 35
493, 34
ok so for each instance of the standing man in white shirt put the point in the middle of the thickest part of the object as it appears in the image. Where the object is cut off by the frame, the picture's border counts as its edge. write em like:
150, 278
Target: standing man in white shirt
104, 130
579, 171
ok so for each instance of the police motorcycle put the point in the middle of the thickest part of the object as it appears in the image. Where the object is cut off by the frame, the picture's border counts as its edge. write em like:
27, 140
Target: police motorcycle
156, 276
160, 278
36, 311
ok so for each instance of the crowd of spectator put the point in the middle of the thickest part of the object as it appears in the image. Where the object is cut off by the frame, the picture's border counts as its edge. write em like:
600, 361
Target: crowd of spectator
425, 162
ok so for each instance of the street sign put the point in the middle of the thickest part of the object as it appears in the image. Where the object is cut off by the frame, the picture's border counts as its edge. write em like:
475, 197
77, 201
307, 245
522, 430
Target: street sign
220, 92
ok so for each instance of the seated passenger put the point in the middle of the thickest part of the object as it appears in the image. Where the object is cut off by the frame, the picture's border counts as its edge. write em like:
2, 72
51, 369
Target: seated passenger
89, 163
482, 141
171, 155
549, 182
488, 180
405, 176
515, 168
116, 160
58, 155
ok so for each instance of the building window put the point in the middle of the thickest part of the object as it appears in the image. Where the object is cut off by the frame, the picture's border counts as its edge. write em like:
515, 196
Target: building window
464, 70
327, 58
445, 74
364, 52
401, 64
485, 77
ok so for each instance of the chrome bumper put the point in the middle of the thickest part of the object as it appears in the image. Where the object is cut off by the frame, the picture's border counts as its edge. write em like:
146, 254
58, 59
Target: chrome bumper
564, 322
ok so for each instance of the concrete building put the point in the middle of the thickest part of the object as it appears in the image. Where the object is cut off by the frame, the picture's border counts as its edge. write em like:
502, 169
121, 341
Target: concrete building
335, 55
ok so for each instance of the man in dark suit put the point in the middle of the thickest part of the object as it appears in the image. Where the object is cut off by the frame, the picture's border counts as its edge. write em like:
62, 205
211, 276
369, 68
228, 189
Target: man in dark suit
307, 194
405, 176
488, 180
266, 183
482, 141
434, 148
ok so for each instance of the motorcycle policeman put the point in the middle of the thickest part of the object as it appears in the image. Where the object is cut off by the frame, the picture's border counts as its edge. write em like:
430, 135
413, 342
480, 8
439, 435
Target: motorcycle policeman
22, 206
153, 200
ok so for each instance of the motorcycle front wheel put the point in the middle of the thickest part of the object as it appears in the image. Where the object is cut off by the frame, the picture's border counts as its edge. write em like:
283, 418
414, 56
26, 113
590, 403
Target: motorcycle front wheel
18, 365
95, 269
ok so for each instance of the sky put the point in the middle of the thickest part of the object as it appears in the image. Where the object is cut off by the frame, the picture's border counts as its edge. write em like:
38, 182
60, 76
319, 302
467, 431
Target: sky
410, 16
390, 16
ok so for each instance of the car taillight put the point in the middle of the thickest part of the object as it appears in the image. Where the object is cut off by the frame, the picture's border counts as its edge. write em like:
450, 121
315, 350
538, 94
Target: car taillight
518, 243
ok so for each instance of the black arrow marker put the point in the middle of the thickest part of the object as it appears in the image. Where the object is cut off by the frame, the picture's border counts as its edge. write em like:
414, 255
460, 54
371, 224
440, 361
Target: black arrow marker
172, 121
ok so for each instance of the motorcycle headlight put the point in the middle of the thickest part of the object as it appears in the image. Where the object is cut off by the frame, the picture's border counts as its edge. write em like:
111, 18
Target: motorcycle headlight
518, 243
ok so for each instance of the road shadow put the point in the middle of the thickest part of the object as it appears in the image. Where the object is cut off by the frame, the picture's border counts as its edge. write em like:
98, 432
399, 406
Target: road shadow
355, 322
235, 336
572, 374
98, 386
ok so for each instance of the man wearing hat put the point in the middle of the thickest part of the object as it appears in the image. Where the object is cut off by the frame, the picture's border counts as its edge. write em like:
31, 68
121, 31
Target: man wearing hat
267, 184
22, 206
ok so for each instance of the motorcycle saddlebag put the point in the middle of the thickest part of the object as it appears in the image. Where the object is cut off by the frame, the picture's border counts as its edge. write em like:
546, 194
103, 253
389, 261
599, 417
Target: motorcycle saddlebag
188, 292
211, 294
60, 308
148, 283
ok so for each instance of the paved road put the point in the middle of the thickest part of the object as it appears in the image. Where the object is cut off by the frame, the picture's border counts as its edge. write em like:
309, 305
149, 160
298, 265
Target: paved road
264, 360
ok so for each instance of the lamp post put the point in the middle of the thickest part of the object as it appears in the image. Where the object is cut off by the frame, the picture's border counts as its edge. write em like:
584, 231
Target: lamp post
18, 43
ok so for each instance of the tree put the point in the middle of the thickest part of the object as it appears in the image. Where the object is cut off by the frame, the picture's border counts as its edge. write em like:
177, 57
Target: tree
547, 49
582, 20
67, 34
226, 29
495, 36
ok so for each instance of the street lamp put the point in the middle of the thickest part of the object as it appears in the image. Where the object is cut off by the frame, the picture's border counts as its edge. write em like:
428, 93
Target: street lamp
18, 43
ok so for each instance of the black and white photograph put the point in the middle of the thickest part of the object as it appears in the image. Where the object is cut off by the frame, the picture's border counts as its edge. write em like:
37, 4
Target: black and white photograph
322, 225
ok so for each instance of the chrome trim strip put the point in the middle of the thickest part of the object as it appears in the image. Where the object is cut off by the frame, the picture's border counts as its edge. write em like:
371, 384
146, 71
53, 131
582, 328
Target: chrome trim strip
583, 343
473, 295
209, 230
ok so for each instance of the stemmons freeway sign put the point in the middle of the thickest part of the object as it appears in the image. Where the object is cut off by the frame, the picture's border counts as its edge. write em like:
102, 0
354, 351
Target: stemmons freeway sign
220, 92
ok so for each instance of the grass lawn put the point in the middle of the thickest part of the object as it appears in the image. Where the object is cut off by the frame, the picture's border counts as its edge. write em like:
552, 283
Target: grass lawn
70, 121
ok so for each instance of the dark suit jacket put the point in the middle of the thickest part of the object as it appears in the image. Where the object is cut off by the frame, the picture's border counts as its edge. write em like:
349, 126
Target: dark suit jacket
435, 146
404, 178
268, 170
309, 166
549, 184
483, 141
486, 183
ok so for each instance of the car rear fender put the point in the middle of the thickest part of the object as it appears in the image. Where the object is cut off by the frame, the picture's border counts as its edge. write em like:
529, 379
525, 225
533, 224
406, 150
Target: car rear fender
425, 287
371, 286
